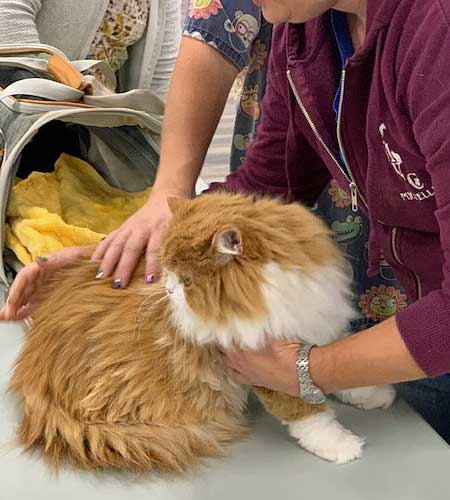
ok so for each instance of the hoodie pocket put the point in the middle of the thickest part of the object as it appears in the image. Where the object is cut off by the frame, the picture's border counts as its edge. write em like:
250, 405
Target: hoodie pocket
395, 245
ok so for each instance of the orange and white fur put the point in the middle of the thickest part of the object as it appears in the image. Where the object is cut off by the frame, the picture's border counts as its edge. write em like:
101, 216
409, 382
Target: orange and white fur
134, 379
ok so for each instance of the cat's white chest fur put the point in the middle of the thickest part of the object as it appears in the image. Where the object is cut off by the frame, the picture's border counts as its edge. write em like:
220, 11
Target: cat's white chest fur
314, 308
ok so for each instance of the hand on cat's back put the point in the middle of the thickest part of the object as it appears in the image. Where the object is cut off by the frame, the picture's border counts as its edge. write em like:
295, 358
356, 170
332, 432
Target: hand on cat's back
23, 295
272, 367
121, 251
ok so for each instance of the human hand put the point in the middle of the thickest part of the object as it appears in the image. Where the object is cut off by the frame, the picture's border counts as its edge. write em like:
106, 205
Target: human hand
121, 250
23, 295
272, 367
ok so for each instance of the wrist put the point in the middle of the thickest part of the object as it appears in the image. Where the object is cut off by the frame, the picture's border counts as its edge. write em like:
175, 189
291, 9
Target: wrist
291, 373
176, 178
321, 366
170, 190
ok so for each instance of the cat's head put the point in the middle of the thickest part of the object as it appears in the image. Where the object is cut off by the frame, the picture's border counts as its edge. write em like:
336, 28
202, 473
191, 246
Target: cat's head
240, 270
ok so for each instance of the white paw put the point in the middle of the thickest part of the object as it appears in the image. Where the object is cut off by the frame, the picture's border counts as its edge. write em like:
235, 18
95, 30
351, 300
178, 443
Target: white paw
325, 437
369, 398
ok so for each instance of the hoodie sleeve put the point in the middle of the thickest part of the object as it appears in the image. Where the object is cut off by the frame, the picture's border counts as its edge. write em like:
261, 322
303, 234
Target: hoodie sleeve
425, 325
279, 161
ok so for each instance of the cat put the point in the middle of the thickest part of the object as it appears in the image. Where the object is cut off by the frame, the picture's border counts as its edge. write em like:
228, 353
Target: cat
134, 379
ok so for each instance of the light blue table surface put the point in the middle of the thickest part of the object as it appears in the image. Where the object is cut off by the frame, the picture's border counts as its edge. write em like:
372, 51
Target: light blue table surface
404, 459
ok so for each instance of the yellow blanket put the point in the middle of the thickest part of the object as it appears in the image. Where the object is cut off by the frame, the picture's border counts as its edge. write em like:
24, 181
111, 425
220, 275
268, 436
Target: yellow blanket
72, 206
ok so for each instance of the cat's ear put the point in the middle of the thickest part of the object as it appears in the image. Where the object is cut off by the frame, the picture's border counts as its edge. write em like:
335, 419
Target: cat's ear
176, 204
228, 243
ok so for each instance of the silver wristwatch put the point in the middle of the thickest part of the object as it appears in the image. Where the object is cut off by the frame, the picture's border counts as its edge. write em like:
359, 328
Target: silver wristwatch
309, 392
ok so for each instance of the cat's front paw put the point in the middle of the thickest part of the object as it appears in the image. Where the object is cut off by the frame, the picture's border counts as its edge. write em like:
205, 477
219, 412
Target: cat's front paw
369, 398
326, 438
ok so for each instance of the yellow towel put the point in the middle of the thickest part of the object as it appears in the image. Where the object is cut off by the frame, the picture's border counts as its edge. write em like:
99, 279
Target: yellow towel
72, 206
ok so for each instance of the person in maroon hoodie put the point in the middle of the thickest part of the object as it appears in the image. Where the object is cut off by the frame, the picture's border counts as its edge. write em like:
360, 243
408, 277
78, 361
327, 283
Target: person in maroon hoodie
361, 93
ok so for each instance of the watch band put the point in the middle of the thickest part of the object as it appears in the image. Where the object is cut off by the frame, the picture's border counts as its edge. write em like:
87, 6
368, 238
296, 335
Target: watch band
309, 392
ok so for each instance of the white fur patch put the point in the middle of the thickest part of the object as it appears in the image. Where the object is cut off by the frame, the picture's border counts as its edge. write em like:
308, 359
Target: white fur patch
369, 398
172, 283
325, 437
313, 308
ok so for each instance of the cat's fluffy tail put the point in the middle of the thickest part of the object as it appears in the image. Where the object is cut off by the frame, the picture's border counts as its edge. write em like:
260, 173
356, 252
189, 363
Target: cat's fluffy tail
135, 447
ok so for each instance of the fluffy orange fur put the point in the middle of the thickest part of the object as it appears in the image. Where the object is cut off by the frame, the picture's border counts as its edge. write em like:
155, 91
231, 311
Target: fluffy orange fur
270, 231
104, 379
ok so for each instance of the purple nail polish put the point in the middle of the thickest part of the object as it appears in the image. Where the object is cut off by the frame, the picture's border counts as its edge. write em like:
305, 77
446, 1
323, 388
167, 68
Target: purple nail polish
150, 278
117, 284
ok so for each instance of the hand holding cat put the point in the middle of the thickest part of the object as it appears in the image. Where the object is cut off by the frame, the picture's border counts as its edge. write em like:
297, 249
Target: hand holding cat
122, 249
272, 367
24, 292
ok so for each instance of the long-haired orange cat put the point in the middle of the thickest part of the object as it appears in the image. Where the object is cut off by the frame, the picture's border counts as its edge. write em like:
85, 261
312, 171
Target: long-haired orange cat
134, 379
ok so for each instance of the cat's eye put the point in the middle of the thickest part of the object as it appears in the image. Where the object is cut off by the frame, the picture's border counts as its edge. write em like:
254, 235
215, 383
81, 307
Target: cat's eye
187, 281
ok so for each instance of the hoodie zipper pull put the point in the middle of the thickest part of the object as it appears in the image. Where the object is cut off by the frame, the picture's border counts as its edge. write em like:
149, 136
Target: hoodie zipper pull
354, 196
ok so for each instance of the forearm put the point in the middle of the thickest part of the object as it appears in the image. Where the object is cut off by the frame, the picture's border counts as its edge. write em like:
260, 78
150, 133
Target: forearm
373, 357
18, 22
198, 91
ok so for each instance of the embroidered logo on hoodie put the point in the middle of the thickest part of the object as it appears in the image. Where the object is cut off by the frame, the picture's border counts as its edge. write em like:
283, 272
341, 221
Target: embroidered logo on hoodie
411, 177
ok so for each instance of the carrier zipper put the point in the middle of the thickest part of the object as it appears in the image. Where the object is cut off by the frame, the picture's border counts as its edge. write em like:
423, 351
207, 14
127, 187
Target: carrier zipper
399, 261
354, 191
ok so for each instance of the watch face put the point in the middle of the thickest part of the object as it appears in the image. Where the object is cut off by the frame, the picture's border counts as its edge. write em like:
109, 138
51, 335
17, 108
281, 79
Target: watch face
315, 397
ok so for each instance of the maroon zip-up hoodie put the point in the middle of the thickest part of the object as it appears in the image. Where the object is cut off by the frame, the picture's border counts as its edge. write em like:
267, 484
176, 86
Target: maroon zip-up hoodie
395, 136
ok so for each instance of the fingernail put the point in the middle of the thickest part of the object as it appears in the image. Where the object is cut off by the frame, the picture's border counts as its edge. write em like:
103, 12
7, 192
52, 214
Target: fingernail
150, 278
99, 274
117, 284
42, 258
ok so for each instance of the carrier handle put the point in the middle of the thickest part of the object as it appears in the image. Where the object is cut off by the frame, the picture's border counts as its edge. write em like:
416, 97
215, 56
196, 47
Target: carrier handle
57, 66
44, 89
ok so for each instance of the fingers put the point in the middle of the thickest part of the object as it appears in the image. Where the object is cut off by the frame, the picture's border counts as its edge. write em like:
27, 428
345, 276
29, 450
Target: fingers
111, 252
130, 254
232, 357
121, 251
21, 291
232, 361
103, 246
25, 287
234, 372
152, 264
24, 312
63, 257
70, 254
238, 378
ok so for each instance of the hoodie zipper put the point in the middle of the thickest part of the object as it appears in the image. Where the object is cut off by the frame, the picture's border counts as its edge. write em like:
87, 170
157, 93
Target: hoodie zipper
394, 231
354, 191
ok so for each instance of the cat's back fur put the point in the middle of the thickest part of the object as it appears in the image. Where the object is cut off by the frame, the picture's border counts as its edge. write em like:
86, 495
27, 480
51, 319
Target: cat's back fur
106, 382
